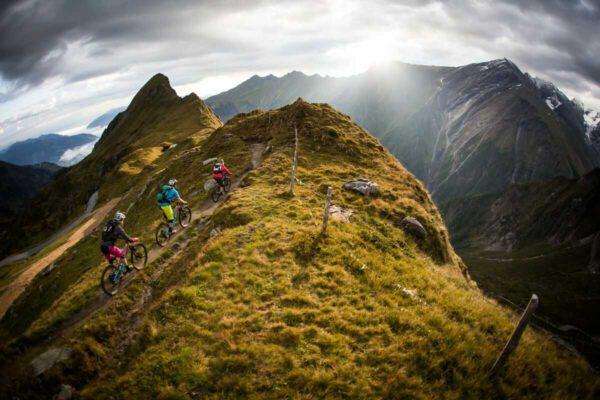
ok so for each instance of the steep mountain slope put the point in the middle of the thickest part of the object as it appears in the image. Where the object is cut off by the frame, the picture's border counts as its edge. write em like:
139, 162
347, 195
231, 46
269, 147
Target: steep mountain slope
19, 184
134, 140
537, 237
253, 302
46, 148
547, 212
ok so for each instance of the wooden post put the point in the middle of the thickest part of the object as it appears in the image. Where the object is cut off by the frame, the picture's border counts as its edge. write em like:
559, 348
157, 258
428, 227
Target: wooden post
513, 342
294, 162
326, 211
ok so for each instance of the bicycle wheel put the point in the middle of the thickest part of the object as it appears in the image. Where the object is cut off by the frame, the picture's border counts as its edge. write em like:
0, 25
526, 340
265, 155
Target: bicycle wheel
227, 184
163, 234
185, 216
139, 256
216, 194
111, 279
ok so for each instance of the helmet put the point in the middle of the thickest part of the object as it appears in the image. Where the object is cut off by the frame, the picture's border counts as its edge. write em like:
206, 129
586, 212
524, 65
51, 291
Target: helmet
172, 182
119, 216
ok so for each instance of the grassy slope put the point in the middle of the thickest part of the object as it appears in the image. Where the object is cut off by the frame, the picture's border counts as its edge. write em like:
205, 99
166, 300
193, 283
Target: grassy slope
269, 308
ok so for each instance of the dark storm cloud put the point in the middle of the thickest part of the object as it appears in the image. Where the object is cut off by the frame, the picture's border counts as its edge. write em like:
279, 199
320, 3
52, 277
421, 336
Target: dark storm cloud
34, 35
557, 38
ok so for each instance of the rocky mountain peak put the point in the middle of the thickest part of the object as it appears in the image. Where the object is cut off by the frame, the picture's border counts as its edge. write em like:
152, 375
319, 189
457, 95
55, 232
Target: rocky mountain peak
157, 90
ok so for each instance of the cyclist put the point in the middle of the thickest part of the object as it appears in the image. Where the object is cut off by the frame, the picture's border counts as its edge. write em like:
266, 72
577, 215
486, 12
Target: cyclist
113, 231
220, 171
168, 195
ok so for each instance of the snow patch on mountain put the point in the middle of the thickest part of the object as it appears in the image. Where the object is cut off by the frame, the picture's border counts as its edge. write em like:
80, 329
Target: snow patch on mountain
591, 119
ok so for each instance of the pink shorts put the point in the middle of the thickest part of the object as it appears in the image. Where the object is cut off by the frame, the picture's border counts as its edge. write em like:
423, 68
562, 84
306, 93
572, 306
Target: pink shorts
113, 252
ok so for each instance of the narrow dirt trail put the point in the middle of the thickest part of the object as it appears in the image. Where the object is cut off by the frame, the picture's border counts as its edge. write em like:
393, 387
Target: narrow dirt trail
22, 281
206, 209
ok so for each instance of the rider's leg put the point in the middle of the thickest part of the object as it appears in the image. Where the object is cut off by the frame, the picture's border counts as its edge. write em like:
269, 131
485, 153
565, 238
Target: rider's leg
105, 249
117, 253
168, 211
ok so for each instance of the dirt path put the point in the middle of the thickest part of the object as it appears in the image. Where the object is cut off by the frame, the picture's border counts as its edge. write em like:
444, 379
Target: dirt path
206, 209
20, 283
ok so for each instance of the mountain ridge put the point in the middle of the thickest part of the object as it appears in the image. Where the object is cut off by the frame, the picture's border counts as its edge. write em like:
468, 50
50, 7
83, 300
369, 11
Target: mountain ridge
252, 300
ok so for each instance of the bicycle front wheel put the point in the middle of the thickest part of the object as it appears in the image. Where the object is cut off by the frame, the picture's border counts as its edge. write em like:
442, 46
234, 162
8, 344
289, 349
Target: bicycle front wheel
216, 194
111, 280
139, 256
227, 184
185, 216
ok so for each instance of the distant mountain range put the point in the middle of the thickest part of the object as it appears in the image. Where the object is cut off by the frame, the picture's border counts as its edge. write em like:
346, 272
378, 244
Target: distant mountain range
46, 148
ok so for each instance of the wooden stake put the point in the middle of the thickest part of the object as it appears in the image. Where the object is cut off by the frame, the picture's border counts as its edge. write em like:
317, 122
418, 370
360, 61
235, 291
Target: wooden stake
294, 163
513, 342
326, 211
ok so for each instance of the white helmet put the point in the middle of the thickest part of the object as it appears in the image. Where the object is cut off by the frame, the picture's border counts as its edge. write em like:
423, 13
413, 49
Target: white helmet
172, 182
119, 216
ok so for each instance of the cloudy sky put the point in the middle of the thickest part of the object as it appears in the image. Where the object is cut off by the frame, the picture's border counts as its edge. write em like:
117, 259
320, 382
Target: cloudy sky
63, 63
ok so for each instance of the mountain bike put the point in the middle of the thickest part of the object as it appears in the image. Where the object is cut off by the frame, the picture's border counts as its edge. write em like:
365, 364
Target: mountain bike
115, 272
219, 191
183, 215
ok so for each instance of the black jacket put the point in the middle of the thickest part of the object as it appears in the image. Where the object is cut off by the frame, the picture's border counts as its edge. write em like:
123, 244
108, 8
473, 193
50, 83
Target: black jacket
112, 232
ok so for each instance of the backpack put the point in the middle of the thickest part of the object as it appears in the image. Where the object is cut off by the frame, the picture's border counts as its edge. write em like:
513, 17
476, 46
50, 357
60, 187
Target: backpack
161, 196
108, 232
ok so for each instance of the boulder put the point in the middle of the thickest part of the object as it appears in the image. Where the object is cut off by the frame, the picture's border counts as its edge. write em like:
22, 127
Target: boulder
339, 214
209, 184
49, 358
414, 227
362, 186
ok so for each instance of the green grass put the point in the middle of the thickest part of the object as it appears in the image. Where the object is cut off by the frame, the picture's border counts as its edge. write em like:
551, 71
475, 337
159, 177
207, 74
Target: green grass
270, 308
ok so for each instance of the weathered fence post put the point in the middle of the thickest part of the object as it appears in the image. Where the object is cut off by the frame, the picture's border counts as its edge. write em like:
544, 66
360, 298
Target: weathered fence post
326, 211
294, 162
513, 342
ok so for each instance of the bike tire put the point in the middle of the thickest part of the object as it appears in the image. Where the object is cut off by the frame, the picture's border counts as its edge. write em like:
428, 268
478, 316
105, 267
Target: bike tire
161, 238
139, 256
216, 194
185, 216
109, 287
227, 185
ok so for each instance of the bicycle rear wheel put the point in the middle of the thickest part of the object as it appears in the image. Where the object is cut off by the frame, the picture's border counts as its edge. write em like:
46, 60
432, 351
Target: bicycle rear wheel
163, 234
139, 256
185, 216
111, 279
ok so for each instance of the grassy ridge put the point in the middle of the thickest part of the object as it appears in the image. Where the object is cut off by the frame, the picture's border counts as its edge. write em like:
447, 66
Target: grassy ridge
271, 309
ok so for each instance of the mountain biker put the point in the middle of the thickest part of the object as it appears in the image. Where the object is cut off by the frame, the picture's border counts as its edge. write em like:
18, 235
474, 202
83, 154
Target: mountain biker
113, 231
168, 195
220, 171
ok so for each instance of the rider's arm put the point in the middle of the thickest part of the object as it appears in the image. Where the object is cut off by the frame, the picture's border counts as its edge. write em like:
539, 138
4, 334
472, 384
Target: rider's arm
178, 197
225, 169
121, 233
